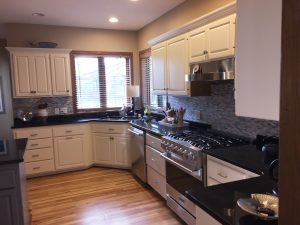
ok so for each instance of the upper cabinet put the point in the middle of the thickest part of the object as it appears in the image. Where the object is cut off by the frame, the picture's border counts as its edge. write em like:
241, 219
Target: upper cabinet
212, 41
40, 72
258, 57
177, 65
159, 54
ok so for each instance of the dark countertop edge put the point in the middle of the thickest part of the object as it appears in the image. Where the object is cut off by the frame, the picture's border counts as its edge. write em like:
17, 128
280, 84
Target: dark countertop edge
145, 129
13, 161
43, 124
234, 162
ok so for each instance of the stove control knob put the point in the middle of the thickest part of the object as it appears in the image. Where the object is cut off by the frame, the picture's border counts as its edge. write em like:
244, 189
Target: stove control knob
185, 153
191, 156
180, 150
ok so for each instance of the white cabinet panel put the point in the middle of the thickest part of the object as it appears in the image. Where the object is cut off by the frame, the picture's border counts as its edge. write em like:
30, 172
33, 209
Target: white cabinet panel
60, 66
102, 148
177, 65
158, 53
69, 151
258, 59
198, 45
156, 181
203, 218
22, 78
122, 151
221, 38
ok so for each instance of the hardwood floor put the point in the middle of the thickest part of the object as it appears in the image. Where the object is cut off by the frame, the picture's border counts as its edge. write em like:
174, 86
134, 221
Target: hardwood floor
97, 196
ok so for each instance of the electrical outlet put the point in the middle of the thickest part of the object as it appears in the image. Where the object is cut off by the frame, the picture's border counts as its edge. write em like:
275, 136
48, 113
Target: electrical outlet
56, 111
64, 110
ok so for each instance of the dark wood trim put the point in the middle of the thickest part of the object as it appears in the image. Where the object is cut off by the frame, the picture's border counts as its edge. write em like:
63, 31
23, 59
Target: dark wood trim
289, 153
73, 81
3, 42
145, 53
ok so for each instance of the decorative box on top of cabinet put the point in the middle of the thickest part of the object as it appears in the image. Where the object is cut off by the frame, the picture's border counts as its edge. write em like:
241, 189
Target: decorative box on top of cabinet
40, 72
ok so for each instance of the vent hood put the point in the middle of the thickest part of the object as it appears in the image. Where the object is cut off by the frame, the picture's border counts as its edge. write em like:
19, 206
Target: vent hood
212, 71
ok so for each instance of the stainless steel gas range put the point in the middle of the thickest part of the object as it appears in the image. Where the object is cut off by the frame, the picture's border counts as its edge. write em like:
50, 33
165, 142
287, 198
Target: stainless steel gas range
186, 166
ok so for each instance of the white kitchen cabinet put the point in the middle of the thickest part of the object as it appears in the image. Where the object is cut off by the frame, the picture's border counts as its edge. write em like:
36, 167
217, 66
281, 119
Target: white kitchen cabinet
31, 74
39, 156
177, 65
215, 40
221, 38
203, 218
159, 68
40, 72
198, 45
69, 152
61, 77
258, 58
111, 145
219, 171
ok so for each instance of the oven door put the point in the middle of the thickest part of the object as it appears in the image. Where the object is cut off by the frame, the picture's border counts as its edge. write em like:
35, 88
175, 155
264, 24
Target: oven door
179, 180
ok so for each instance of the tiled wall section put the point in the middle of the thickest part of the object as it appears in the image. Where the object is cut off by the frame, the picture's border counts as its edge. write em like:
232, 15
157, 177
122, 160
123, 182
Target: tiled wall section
219, 111
30, 104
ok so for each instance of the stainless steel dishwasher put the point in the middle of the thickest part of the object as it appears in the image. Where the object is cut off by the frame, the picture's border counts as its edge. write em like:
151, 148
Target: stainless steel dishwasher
138, 153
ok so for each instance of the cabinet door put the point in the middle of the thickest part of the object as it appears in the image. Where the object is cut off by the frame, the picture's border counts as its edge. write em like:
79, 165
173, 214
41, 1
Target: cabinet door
122, 145
9, 210
198, 45
158, 53
220, 42
61, 75
41, 75
177, 65
258, 59
103, 149
22, 80
69, 151
203, 218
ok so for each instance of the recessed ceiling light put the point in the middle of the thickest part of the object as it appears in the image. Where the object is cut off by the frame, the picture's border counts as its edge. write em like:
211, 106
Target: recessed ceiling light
38, 14
134, 0
113, 19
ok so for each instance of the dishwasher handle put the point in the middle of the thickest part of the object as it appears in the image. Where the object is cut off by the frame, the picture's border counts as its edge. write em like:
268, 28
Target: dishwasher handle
136, 132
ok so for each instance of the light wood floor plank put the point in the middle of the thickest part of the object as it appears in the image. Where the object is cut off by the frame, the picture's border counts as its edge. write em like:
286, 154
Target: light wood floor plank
97, 196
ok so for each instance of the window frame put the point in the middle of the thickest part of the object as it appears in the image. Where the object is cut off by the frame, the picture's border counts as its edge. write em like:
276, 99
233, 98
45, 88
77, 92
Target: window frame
74, 54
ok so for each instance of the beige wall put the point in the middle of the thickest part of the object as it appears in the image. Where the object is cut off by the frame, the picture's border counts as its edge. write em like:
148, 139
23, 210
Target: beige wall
184, 13
86, 39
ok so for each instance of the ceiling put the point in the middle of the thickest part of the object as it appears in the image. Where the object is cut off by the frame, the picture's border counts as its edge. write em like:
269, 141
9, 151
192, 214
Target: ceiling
133, 15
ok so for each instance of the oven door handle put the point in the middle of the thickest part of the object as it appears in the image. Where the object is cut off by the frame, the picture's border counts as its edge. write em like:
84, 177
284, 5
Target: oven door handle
197, 173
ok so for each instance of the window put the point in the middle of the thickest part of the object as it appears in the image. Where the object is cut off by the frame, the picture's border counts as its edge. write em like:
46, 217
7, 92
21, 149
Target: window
148, 98
100, 81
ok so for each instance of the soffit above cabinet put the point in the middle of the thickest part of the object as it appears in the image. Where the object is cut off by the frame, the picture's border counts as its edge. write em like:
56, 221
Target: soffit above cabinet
203, 20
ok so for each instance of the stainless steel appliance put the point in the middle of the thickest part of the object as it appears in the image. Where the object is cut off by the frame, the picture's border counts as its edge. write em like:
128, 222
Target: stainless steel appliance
138, 153
186, 166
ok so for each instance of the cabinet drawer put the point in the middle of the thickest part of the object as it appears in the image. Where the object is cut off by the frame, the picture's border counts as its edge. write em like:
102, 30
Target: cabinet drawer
38, 154
39, 143
33, 133
156, 181
8, 179
110, 128
39, 167
154, 160
68, 130
154, 142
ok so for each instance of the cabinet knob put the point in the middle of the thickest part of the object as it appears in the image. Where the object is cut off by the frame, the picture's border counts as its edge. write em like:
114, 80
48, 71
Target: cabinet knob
68, 91
205, 52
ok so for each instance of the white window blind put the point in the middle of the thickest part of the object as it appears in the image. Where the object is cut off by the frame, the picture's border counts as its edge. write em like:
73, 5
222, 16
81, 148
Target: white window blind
148, 98
100, 82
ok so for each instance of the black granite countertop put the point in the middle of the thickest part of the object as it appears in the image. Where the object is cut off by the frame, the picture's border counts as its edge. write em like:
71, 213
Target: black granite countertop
244, 156
11, 150
220, 200
71, 119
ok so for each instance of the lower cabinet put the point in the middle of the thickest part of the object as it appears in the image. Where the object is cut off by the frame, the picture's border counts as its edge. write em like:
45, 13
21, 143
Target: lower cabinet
156, 181
8, 204
112, 150
69, 151
203, 218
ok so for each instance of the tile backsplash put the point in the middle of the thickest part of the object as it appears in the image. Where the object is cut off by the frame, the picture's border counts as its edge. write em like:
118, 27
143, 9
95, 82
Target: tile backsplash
30, 104
219, 111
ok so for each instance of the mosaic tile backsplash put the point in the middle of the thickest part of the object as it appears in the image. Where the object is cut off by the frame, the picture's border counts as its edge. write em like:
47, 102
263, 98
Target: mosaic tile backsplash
219, 111
30, 104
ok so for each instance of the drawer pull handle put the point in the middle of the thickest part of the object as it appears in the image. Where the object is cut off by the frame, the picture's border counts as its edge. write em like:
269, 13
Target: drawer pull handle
34, 145
33, 135
181, 199
34, 156
222, 175
152, 159
111, 129
68, 131
36, 168
69, 138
